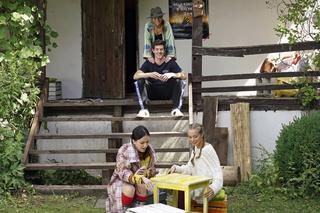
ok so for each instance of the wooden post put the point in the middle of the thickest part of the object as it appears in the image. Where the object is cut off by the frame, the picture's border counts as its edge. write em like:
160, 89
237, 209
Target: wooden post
190, 99
116, 126
197, 41
240, 126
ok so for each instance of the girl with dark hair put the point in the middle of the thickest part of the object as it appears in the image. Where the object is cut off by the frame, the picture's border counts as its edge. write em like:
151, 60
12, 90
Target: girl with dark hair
135, 165
204, 161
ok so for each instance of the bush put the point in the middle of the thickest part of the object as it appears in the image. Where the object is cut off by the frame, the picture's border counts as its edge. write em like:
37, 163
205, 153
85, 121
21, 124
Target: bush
21, 58
265, 176
297, 155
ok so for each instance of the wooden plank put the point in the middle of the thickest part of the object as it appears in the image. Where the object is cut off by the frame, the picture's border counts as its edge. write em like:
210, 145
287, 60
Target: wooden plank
253, 76
104, 103
108, 135
103, 48
196, 50
108, 118
116, 126
218, 137
105, 165
240, 125
257, 49
250, 88
210, 113
86, 151
221, 144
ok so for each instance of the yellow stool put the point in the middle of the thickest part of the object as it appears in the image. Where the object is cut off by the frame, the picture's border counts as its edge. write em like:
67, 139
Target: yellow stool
180, 182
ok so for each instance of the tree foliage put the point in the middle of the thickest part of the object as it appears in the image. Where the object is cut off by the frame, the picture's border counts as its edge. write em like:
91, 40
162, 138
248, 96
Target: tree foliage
21, 57
299, 21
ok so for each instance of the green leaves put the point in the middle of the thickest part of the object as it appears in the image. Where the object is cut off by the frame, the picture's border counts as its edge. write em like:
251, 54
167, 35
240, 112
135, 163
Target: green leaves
297, 156
21, 57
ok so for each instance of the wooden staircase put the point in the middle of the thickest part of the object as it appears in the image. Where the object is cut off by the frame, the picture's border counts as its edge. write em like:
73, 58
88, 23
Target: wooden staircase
88, 112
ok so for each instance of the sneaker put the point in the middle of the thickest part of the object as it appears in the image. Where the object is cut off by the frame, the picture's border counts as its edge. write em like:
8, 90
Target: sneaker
143, 113
176, 112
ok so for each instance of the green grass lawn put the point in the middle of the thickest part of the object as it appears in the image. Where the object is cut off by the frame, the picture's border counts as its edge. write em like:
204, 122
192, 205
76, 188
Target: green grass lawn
239, 200
51, 203
269, 202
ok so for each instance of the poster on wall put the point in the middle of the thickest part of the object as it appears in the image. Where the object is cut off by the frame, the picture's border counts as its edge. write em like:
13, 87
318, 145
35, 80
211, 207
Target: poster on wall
180, 17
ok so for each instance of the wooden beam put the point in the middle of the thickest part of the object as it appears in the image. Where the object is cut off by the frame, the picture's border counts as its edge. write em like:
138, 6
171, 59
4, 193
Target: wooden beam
197, 31
116, 127
254, 50
108, 135
86, 151
190, 99
105, 165
240, 126
250, 88
108, 118
253, 76
196, 50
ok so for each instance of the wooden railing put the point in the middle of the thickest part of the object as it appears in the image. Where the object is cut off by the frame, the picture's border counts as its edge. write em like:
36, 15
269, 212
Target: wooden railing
238, 51
247, 76
35, 125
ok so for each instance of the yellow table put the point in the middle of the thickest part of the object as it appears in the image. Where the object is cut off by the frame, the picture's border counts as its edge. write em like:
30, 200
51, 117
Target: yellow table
179, 182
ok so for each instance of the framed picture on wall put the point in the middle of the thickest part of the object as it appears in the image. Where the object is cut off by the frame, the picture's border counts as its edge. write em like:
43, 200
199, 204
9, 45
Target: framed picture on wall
180, 17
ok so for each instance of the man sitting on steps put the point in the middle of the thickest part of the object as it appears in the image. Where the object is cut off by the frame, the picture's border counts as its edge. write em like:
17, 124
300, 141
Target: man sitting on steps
162, 81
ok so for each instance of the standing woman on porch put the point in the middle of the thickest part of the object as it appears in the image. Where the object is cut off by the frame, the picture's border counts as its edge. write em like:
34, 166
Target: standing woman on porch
158, 29
204, 161
135, 165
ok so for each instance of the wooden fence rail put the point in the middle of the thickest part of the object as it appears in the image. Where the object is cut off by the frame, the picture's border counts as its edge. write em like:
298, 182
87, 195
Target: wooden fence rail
247, 76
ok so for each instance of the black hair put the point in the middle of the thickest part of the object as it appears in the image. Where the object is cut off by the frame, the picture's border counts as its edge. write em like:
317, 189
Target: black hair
159, 42
139, 132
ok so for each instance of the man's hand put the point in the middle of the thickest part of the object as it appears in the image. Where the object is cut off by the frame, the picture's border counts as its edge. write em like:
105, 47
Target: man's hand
168, 75
155, 75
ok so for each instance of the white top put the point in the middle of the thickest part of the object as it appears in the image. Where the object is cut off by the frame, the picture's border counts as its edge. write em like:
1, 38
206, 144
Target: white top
207, 165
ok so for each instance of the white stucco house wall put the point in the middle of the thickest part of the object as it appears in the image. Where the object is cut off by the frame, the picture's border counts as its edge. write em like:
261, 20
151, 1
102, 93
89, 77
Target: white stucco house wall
231, 23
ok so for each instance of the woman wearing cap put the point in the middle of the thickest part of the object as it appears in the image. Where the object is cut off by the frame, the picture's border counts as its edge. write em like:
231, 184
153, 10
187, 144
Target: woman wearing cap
158, 29
135, 165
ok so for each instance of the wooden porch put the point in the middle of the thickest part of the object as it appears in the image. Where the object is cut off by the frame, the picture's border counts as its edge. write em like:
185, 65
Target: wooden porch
115, 110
